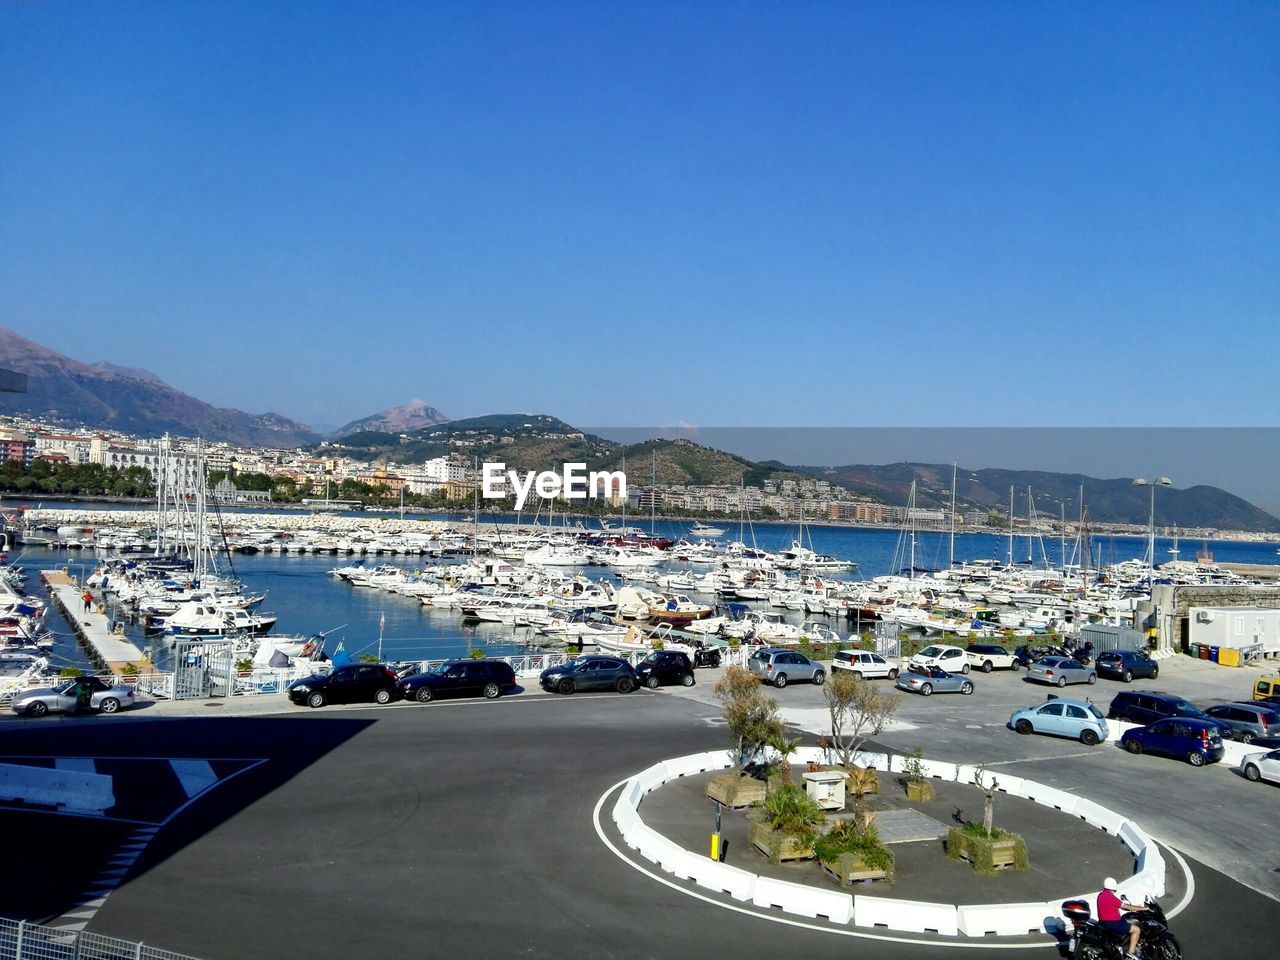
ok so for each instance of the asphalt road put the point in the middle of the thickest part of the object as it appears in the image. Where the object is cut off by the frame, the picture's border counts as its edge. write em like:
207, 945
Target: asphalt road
468, 827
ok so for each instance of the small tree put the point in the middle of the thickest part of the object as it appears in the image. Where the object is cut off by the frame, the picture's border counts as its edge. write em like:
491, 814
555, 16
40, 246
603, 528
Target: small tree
785, 747
858, 711
751, 716
980, 780
477, 653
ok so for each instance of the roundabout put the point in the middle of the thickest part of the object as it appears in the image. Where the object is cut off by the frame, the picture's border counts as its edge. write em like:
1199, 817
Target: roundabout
1096, 840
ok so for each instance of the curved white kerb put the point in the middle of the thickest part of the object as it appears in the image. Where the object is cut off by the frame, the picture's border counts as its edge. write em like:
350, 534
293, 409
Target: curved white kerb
905, 916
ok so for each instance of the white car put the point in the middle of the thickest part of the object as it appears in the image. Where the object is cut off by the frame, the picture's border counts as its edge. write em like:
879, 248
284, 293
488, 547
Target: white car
864, 664
1262, 766
950, 659
990, 656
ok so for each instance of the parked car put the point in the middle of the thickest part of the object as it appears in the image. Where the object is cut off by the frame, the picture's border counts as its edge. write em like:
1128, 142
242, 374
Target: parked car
1148, 706
862, 663
460, 678
951, 659
930, 680
349, 683
1196, 741
1077, 719
780, 667
1126, 664
1267, 688
665, 666
102, 696
1060, 671
1266, 743
1248, 721
990, 656
1262, 766
592, 672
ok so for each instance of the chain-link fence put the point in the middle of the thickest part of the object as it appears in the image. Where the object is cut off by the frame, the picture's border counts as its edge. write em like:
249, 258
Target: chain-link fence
22, 940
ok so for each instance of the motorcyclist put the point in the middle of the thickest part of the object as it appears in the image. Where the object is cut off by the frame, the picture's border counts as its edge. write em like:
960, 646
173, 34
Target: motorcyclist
1111, 910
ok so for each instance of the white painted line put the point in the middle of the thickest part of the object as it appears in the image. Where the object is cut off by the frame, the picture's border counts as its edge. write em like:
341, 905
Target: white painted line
79, 925
86, 915
196, 776
95, 902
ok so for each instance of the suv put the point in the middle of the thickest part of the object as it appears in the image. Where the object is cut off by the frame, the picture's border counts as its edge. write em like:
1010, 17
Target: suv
1126, 664
780, 667
1148, 706
990, 656
1196, 741
665, 666
590, 673
1248, 721
863, 664
460, 678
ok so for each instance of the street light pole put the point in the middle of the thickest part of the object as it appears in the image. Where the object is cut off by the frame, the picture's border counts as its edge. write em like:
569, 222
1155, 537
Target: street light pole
1151, 525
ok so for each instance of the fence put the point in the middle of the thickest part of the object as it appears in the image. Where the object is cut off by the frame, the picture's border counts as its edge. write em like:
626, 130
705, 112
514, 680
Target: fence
22, 940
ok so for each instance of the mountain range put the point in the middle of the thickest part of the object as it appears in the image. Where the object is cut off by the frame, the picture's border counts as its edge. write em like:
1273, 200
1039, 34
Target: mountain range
130, 400
136, 401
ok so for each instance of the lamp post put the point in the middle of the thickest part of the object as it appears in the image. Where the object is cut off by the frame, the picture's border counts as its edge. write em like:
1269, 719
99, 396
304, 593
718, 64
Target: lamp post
1151, 525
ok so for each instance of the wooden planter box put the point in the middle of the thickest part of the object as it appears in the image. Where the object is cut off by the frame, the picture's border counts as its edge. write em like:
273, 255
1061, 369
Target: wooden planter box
849, 868
921, 791
1005, 852
735, 790
776, 845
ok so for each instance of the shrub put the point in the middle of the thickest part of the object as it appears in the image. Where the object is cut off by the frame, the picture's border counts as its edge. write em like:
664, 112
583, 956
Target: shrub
973, 840
913, 767
862, 842
477, 653
791, 811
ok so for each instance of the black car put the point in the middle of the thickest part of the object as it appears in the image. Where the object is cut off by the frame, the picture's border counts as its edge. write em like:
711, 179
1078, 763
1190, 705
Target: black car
665, 666
1126, 664
460, 678
590, 673
350, 683
1147, 706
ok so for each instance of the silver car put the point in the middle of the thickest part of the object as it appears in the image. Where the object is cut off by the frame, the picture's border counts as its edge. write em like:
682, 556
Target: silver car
780, 667
102, 697
927, 681
1060, 671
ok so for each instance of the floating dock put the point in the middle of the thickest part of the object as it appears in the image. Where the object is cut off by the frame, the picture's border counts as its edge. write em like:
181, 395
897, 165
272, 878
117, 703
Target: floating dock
107, 650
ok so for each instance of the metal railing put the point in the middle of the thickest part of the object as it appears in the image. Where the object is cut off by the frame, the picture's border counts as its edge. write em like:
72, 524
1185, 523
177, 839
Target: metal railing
23, 940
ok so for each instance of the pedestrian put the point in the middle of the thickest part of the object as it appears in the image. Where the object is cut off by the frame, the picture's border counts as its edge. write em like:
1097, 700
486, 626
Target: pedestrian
88, 601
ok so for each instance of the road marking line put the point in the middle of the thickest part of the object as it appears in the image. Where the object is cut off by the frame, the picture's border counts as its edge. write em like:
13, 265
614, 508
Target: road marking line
196, 776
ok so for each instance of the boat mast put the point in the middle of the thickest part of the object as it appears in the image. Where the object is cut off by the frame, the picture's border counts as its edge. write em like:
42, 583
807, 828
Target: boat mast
952, 558
1010, 563
653, 493
911, 519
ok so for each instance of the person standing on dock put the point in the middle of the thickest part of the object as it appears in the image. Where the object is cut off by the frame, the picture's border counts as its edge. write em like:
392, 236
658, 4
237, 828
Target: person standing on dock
88, 601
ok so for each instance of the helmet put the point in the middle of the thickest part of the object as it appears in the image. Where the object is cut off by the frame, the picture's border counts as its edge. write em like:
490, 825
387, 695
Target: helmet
1110, 884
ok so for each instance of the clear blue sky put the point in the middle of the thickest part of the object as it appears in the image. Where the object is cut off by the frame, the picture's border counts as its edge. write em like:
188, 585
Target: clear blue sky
651, 213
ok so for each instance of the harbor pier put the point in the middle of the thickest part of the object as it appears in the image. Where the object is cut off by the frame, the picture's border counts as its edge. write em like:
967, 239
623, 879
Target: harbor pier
108, 651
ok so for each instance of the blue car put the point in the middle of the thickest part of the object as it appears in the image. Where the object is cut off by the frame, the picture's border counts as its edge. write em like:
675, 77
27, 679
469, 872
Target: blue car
1196, 741
1077, 719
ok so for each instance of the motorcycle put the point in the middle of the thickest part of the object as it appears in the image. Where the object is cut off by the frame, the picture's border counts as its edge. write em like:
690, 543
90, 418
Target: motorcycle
706, 657
1090, 940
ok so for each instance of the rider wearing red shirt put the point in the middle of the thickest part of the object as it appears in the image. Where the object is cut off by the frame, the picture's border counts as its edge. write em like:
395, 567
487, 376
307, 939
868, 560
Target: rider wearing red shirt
1110, 910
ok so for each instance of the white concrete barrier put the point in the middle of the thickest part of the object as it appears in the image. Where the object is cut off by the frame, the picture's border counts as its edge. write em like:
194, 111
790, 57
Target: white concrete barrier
909, 916
722, 878
71, 790
696, 763
803, 900
1001, 919
1234, 752
1133, 837
633, 793
656, 848
875, 761
624, 815
651, 778
1098, 816
1013, 786
1048, 796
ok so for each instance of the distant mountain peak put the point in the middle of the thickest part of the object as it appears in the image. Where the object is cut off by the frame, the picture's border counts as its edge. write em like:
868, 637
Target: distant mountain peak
406, 418
129, 399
